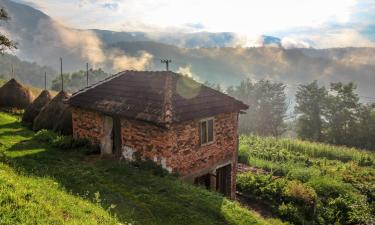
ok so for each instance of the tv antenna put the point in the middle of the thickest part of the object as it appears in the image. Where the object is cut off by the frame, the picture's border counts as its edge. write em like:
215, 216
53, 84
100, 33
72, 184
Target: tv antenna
87, 74
45, 80
166, 61
61, 74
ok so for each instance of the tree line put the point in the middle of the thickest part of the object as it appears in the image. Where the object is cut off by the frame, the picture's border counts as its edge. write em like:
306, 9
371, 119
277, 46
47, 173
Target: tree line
332, 115
78, 80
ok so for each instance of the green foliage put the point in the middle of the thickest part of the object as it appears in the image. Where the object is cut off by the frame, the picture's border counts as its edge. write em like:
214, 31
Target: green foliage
41, 185
310, 183
5, 42
45, 136
267, 101
78, 80
335, 117
310, 99
60, 141
300, 193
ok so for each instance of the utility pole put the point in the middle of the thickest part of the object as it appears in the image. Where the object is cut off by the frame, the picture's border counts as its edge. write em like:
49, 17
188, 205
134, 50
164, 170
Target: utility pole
12, 71
166, 61
61, 74
45, 80
87, 74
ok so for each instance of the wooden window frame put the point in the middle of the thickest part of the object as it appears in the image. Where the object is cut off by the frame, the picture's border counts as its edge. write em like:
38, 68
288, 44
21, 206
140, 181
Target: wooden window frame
213, 131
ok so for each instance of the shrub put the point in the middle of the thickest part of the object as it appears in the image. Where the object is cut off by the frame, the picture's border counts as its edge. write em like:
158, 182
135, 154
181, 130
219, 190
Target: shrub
290, 213
300, 193
45, 136
330, 187
261, 186
302, 174
62, 142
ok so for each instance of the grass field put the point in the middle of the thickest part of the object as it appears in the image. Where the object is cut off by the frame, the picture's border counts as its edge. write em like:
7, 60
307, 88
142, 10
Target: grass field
309, 183
40, 184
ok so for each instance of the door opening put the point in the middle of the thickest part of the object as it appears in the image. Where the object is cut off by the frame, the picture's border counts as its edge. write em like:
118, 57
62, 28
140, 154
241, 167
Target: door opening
203, 181
223, 180
116, 136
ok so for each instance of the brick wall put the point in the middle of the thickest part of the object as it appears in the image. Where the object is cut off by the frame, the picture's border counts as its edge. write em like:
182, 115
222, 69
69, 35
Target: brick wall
177, 149
87, 124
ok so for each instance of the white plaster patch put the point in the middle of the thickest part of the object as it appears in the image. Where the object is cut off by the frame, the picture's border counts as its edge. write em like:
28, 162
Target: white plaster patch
128, 153
163, 163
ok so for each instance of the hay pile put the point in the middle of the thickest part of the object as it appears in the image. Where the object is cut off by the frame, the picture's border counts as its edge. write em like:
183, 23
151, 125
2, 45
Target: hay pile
15, 95
56, 115
34, 108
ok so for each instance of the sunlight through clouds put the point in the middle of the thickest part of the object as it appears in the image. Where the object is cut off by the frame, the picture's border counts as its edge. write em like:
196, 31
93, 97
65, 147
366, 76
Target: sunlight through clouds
246, 18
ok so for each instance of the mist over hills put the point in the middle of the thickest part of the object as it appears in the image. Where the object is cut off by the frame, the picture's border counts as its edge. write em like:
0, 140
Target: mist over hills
205, 56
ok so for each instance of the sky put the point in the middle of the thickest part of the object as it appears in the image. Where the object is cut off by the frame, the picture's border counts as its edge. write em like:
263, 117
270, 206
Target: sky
320, 23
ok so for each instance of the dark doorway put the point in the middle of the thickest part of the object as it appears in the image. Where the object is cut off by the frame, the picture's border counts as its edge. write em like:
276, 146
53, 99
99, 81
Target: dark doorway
223, 180
116, 136
203, 181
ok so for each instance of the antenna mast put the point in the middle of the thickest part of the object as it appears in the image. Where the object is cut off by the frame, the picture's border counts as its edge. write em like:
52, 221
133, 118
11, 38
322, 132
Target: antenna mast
87, 74
61, 74
166, 61
45, 80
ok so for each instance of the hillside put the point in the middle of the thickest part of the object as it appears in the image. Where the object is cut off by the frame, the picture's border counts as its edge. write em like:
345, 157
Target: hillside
308, 183
43, 184
27, 72
42, 40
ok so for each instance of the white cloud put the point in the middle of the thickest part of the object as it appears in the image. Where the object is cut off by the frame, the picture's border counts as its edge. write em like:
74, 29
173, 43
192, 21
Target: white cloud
249, 17
288, 43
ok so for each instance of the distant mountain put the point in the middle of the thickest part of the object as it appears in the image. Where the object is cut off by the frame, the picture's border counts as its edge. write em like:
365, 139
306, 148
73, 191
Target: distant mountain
42, 40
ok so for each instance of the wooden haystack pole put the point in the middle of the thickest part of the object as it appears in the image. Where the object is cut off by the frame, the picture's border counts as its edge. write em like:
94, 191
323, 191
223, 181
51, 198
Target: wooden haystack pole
34, 108
14, 95
56, 115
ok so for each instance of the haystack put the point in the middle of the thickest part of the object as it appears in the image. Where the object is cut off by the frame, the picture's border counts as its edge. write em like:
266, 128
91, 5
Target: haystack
34, 108
15, 95
56, 115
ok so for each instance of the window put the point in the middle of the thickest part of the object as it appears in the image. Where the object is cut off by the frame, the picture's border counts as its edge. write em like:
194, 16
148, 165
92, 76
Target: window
207, 131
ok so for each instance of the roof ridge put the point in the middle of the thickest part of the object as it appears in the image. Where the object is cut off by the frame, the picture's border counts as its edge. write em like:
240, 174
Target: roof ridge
99, 83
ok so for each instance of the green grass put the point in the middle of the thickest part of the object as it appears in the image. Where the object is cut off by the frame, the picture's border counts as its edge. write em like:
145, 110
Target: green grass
43, 185
343, 180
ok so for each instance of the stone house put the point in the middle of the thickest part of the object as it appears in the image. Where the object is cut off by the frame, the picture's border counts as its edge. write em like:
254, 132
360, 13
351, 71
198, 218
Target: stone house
180, 124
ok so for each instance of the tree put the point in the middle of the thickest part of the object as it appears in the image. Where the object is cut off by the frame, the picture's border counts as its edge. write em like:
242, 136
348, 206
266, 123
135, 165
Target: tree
364, 134
77, 80
267, 101
5, 42
340, 111
310, 100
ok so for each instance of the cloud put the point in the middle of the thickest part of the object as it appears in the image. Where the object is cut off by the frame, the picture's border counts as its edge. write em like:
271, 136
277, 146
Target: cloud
88, 46
289, 43
187, 71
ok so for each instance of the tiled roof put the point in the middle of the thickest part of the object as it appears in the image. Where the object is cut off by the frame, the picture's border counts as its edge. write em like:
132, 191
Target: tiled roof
157, 97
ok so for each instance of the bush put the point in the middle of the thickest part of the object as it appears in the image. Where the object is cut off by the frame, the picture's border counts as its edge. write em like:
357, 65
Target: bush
63, 142
45, 136
303, 174
330, 187
290, 213
60, 141
300, 193
262, 187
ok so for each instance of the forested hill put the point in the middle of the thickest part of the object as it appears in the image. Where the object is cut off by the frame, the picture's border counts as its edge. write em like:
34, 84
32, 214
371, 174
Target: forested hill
27, 72
43, 40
